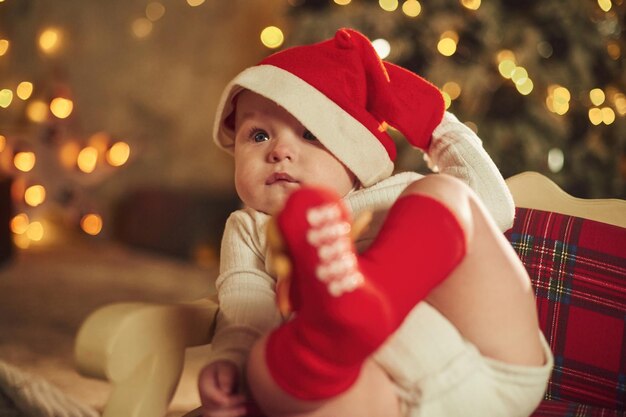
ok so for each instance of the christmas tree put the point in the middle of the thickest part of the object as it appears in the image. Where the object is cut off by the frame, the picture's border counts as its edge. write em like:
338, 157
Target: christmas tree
542, 82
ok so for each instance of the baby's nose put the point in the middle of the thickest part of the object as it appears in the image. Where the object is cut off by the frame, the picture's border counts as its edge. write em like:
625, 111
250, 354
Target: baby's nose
283, 148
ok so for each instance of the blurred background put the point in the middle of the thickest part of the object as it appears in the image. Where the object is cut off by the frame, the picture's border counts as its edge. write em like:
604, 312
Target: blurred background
106, 107
108, 174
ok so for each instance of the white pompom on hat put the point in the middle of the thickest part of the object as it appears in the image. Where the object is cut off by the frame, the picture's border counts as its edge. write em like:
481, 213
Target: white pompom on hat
342, 92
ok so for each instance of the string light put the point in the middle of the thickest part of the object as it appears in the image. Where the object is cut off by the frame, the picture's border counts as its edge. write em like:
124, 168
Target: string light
595, 116
195, 3
118, 154
453, 89
343, 2
597, 96
558, 99
37, 111
272, 37
614, 50
24, 161
4, 46
35, 195
19, 224
605, 5
91, 224
382, 48
87, 159
412, 8
50, 40
61, 107
608, 115
141, 27
35, 231
471, 4
6, 97
388, 5
620, 104
447, 43
155, 11
3, 142
24, 90
556, 160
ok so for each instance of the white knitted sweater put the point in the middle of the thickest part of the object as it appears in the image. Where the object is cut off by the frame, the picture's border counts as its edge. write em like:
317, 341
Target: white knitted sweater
245, 288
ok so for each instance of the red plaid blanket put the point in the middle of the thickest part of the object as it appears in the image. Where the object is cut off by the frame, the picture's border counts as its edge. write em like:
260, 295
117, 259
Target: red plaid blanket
578, 270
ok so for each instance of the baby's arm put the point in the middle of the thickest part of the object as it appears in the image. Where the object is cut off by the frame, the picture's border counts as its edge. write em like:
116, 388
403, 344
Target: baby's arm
457, 151
247, 311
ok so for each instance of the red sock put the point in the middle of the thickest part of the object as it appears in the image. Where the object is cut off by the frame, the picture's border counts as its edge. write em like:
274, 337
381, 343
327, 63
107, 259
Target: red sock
347, 305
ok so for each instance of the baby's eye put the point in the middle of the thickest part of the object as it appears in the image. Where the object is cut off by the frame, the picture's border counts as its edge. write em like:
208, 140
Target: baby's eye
308, 135
259, 136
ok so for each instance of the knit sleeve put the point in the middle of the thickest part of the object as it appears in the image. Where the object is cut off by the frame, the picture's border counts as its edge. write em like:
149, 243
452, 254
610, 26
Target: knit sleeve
247, 308
457, 151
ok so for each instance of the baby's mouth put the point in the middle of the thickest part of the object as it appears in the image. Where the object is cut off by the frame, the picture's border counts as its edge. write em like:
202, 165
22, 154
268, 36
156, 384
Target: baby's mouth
279, 177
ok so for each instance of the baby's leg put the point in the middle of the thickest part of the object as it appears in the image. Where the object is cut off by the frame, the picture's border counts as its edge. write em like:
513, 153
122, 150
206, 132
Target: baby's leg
371, 395
488, 297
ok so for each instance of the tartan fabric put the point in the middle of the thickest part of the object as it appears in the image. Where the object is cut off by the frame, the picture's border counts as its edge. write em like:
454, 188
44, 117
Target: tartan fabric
578, 271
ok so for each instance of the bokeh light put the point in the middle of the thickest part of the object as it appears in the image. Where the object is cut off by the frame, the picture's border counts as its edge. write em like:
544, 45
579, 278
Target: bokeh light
91, 224
24, 90
4, 46
382, 47
6, 97
272, 37
141, 27
388, 5
118, 154
24, 161
412, 8
19, 224
343, 2
61, 107
155, 11
195, 3
87, 159
37, 111
597, 96
50, 40
35, 195
471, 4
556, 159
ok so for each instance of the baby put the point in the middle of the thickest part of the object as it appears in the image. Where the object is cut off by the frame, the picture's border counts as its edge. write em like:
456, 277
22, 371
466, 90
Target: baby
430, 312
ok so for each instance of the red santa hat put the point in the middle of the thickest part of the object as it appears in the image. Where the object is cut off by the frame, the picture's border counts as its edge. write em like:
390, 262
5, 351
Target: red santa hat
342, 92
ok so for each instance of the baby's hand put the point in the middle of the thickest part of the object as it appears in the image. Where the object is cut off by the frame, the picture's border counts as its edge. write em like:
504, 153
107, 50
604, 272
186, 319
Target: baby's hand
218, 390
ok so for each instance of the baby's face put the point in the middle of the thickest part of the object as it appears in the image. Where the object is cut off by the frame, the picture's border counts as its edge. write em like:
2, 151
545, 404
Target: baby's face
275, 155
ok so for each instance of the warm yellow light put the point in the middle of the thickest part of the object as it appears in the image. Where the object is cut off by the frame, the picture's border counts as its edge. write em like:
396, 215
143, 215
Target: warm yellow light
50, 40
562, 95
453, 89
608, 115
556, 159
4, 46
272, 37
21, 241
506, 68
35, 231
561, 108
141, 27
118, 154
597, 96
155, 11
471, 4
195, 3
100, 141
343, 2
519, 75
6, 97
412, 8
61, 107
595, 116
614, 50
3, 143
506, 55
525, 87
19, 224
24, 90
605, 5
37, 111
87, 159
382, 48
68, 154
91, 224
35, 195
388, 5
24, 161
446, 47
